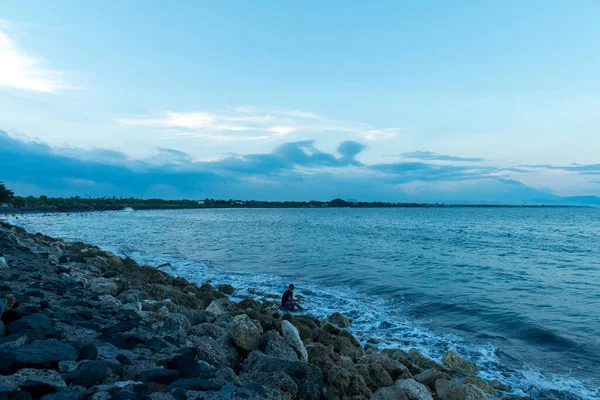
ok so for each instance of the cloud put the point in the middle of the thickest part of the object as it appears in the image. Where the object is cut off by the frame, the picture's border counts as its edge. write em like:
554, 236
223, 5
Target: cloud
21, 70
292, 171
250, 124
430, 156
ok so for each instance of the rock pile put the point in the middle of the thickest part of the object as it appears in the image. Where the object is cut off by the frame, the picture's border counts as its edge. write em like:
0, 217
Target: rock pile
91, 325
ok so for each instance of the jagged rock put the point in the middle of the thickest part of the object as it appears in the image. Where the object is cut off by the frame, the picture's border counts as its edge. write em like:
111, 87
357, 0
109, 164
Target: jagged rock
199, 316
103, 286
221, 306
219, 352
88, 375
13, 341
421, 361
499, 386
42, 353
414, 390
88, 352
454, 361
65, 395
164, 376
67, 366
176, 325
308, 377
273, 344
245, 335
450, 390
340, 320
47, 377
375, 375
187, 366
277, 381
395, 369
197, 384
430, 376
292, 337
390, 393
481, 384
35, 326
226, 289
132, 296
342, 384
107, 351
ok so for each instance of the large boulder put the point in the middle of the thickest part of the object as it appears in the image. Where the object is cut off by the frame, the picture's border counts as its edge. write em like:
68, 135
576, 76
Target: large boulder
414, 390
245, 334
88, 375
43, 353
219, 352
273, 344
430, 376
158, 375
221, 306
375, 375
390, 393
323, 357
455, 362
35, 326
343, 384
308, 377
338, 319
187, 366
424, 362
104, 286
395, 369
292, 337
47, 377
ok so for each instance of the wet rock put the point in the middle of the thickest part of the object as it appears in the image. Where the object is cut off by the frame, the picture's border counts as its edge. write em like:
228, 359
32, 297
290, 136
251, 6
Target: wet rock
35, 326
226, 289
43, 353
413, 389
499, 386
273, 344
88, 352
292, 337
196, 384
88, 375
342, 384
391, 392
67, 366
375, 375
454, 361
163, 376
186, 366
245, 335
430, 376
395, 369
423, 362
221, 306
481, 384
450, 390
340, 320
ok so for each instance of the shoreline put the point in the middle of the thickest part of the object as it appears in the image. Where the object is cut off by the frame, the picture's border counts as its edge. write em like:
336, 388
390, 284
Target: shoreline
127, 308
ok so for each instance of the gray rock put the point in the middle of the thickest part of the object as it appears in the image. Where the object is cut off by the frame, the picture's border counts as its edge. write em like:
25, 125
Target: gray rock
88, 375
245, 334
430, 376
390, 393
273, 344
343, 384
164, 376
197, 384
104, 286
220, 306
394, 368
35, 326
414, 390
340, 320
219, 352
450, 390
292, 337
481, 384
454, 361
375, 375
107, 351
65, 395
48, 377
500, 386
226, 289
88, 352
2, 329
13, 341
187, 366
43, 353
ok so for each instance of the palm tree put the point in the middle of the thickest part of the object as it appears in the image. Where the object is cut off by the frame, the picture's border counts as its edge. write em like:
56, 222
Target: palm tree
6, 195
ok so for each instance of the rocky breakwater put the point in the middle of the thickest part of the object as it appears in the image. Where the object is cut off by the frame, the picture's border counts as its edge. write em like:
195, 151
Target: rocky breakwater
91, 325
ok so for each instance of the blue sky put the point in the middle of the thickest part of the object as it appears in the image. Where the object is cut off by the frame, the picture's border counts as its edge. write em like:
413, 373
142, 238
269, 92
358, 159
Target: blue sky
386, 95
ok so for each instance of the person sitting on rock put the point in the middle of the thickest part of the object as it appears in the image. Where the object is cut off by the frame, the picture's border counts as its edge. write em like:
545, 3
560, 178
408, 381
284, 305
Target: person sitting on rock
7, 302
287, 300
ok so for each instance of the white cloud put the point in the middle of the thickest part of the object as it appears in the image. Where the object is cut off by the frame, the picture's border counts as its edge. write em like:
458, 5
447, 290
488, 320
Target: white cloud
20, 70
251, 124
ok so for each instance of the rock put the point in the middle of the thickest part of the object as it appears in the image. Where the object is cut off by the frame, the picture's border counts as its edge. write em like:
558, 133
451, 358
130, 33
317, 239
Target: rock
37, 389
65, 395
292, 337
13, 341
107, 351
273, 344
6, 392
67, 366
342, 384
88, 375
43, 353
104, 286
245, 335
35, 326
375, 375
197, 384
47, 377
395, 369
307, 376
414, 390
2, 329
481, 384
339, 320
450, 390
164, 376
421, 361
22, 395
187, 366
454, 361
226, 289
499, 386
220, 306
132, 296
220, 352
277, 381
430, 376
390, 393
121, 327
88, 352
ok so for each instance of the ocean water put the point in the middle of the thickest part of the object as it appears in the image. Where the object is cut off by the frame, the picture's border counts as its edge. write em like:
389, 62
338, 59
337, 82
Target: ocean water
515, 289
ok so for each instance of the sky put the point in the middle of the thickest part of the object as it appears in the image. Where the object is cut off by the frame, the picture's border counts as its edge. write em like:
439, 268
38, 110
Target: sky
436, 101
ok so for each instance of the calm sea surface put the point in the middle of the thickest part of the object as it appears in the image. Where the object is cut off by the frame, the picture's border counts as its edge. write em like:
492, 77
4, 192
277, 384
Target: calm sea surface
517, 290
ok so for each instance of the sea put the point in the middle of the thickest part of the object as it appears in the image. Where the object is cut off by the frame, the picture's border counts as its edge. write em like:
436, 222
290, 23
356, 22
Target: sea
516, 290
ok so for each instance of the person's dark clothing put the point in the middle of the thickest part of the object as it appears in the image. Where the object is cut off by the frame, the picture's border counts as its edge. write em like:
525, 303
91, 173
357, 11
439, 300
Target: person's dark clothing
287, 297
